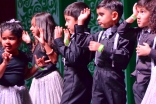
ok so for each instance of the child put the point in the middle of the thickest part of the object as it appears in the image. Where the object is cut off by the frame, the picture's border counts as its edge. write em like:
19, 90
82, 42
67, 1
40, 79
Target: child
77, 78
144, 33
110, 60
13, 65
46, 87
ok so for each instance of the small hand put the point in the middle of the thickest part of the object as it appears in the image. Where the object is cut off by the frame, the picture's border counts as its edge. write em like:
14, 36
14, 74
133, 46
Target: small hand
83, 16
58, 32
40, 38
143, 50
6, 57
25, 37
135, 12
93, 46
41, 62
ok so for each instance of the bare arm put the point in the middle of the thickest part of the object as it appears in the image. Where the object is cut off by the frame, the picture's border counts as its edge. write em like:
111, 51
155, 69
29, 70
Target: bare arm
6, 58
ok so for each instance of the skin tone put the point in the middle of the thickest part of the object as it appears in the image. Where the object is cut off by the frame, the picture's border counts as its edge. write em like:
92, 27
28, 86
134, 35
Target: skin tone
70, 22
142, 15
106, 19
10, 43
38, 33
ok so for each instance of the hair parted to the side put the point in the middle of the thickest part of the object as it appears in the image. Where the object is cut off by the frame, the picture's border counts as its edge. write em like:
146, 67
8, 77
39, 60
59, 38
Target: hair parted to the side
112, 5
45, 21
75, 9
13, 26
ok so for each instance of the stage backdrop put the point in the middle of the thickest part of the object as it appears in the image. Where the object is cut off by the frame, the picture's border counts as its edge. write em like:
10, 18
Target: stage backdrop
27, 8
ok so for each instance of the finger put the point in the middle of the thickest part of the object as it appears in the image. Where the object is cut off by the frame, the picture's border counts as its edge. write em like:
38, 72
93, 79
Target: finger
47, 61
36, 58
42, 57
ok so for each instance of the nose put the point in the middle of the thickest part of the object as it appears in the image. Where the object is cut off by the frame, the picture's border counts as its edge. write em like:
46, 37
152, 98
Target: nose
97, 18
7, 41
138, 16
66, 24
31, 28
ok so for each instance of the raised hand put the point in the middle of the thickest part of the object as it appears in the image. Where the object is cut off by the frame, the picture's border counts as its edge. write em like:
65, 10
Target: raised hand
58, 32
135, 9
143, 50
93, 46
6, 57
83, 16
25, 37
40, 38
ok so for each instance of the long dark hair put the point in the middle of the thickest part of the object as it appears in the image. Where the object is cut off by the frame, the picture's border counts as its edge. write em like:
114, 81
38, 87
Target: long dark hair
45, 21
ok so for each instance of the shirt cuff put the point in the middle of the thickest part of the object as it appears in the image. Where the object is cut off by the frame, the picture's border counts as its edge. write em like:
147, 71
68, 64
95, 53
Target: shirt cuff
59, 42
79, 29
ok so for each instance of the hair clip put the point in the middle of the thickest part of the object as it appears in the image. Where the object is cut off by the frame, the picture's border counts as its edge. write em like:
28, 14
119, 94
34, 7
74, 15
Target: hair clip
12, 21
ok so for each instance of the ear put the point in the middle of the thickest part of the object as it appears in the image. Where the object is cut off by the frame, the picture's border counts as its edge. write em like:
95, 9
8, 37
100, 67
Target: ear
114, 15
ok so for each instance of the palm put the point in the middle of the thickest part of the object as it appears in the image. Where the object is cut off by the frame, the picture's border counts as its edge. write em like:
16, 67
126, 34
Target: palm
26, 37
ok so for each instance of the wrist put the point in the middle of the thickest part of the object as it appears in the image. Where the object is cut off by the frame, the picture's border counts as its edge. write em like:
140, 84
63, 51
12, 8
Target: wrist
37, 67
101, 47
134, 16
80, 22
66, 41
49, 53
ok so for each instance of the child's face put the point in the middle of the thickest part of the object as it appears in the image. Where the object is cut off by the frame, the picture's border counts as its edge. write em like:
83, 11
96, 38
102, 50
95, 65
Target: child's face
10, 42
142, 17
70, 22
34, 28
105, 17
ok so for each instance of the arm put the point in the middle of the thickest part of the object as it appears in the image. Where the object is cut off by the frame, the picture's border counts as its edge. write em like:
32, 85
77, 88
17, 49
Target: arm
145, 50
124, 29
121, 55
40, 62
49, 51
6, 58
71, 53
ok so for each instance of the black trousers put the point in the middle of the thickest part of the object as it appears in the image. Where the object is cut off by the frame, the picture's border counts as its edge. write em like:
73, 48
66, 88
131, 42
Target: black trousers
139, 90
77, 86
108, 87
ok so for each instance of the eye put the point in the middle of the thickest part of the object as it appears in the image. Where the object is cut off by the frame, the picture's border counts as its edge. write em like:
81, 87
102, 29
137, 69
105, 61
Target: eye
142, 11
101, 14
3, 38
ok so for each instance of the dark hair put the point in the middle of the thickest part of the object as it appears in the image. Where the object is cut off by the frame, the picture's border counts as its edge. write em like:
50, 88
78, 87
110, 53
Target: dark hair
75, 9
45, 21
148, 4
13, 26
152, 21
151, 7
112, 5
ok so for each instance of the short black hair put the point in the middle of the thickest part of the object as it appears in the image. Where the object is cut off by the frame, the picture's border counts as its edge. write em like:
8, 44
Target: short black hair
113, 5
13, 26
75, 9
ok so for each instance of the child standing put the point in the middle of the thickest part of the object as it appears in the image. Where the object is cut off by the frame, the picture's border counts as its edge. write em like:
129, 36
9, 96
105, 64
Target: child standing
77, 78
144, 33
108, 80
13, 65
46, 87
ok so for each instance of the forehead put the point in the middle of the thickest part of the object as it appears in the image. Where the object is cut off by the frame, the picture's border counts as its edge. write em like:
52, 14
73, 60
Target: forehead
33, 21
7, 33
69, 17
103, 10
141, 8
